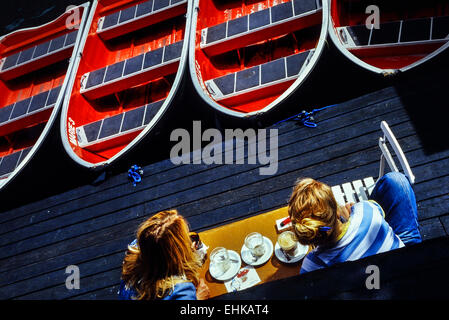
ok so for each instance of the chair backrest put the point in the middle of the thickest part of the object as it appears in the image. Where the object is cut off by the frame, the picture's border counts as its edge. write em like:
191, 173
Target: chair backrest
359, 190
386, 155
354, 191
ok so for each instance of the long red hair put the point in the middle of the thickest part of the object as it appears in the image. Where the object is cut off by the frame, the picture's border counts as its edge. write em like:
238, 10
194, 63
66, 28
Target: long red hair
163, 258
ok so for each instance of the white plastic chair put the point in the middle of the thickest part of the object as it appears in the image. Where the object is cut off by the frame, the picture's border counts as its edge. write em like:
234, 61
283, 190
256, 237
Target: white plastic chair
359, 190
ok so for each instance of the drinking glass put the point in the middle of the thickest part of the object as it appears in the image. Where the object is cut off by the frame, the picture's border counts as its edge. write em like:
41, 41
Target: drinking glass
254, 242
219, 261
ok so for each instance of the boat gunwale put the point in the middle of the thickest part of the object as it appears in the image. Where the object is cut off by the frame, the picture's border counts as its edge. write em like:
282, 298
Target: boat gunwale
304, 73
154, 121
57, 106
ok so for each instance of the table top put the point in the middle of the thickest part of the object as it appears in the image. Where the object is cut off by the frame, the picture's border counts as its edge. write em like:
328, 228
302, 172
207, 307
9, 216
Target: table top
232, 236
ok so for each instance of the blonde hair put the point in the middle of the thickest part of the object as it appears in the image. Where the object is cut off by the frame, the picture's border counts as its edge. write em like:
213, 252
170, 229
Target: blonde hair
313, 210
164, 257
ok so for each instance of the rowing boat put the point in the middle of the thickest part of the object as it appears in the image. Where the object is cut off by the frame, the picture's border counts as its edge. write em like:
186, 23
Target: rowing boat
35, 67
246, 58
132, 64
386, 37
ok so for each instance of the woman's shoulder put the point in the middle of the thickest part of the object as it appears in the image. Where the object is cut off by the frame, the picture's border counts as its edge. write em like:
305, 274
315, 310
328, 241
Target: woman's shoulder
365, 206
183, 291
126, 292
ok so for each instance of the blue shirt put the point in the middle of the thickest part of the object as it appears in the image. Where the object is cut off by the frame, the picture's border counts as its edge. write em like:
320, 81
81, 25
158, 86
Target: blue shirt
181, 291
367, 234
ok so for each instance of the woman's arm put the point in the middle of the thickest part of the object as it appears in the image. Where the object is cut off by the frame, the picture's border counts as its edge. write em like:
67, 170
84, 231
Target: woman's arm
345, 211
202, 292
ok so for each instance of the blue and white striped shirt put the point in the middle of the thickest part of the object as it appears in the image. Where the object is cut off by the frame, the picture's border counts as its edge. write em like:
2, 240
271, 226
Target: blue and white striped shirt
367, 234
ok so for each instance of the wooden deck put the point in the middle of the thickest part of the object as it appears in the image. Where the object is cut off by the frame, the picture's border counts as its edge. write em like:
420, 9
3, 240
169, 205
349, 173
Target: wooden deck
90, 226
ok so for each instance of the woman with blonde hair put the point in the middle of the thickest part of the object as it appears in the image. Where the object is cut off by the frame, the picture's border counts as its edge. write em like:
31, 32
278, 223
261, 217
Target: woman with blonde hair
162, 263
389, 220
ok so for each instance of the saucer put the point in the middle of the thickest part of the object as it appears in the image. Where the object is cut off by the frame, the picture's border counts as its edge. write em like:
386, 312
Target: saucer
301, 251
236, 262
247, 257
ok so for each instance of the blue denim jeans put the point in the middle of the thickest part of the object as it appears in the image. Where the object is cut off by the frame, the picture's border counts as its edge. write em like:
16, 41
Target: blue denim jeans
395, 195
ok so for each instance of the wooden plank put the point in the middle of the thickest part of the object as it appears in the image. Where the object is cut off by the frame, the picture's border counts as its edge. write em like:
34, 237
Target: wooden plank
445, 220
75, 257
431, 228
58, 277
87, 284
434, 207
431, 187
109, 293
428, 283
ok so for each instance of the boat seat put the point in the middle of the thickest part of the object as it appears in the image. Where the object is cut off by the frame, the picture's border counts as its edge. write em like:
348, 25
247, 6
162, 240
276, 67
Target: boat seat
261, 25
397, 33
261, 79
138, 17
115, 129
131, 72
38, 57
10, 162
24, 113
359, 190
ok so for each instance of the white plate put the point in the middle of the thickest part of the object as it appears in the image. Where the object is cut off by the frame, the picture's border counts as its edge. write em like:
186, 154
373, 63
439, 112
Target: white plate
248, 258
236, 263
301, 251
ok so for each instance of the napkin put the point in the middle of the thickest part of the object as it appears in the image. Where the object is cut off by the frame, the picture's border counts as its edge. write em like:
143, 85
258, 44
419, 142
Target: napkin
245, 278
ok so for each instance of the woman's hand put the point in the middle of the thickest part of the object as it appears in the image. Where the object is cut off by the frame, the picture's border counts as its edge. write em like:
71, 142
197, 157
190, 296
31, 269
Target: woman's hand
345, 211
202, 291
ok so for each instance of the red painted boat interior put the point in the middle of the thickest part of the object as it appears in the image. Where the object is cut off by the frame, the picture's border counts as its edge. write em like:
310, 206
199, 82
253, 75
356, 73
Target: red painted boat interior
214, 12
23, 132
352, 13
99, 53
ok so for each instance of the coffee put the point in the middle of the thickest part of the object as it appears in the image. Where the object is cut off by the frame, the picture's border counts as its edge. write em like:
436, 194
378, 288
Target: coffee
288, 242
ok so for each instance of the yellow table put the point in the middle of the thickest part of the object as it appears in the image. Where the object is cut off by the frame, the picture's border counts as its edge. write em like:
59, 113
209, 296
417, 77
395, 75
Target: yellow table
232, 237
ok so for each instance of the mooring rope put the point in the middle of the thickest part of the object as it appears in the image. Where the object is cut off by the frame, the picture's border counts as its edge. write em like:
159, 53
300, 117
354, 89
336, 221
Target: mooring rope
135, 173
306, 118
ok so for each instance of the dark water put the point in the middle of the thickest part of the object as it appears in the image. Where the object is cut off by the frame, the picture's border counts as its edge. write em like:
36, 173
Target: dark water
19, 14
